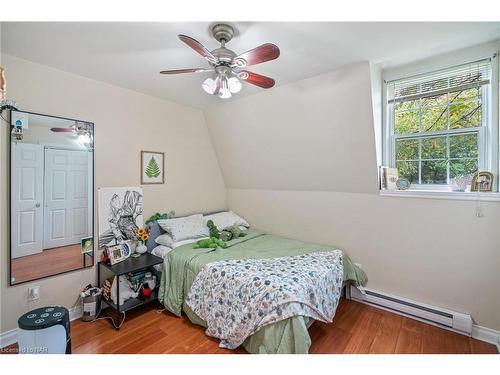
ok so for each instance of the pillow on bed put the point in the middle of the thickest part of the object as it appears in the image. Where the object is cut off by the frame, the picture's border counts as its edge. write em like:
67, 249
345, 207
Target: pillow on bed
165, 240
161, 251
226, 219
154, 232
185, 228
184, 242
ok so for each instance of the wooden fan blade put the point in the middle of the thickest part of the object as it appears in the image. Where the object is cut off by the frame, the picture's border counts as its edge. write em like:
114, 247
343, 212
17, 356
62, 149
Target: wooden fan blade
256, 79
258, 55
198, 47
62, 130
180, 71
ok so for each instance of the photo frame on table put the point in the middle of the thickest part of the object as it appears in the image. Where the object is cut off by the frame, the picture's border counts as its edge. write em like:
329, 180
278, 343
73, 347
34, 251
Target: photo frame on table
120, 252
152, 167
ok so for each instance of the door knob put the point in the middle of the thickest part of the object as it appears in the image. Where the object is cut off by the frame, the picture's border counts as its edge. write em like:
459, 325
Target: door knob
37, 205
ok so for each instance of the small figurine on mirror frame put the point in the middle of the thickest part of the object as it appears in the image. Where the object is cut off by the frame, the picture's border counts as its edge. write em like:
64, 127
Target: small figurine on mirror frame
482, 182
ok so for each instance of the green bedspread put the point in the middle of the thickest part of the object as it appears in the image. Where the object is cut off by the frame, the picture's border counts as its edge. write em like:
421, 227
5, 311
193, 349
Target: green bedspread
182, 265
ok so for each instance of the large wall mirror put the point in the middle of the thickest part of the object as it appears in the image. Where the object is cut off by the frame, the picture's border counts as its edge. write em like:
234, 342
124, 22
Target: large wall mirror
51, 196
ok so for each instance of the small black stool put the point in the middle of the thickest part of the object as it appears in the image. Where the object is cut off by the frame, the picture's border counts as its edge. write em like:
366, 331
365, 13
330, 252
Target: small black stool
45, 331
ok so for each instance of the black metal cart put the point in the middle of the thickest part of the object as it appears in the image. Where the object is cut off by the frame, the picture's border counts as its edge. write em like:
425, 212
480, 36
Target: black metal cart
145, 261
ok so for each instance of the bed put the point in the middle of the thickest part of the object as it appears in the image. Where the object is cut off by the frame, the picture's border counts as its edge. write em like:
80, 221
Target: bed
182, 265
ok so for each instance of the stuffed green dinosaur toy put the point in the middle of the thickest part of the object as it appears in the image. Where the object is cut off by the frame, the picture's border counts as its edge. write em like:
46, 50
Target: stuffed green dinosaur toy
230, 233
210, 243
218, 239
212, 229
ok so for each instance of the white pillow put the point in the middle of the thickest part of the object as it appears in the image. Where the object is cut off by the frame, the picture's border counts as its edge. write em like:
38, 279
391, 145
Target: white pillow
161, 251
222, 220
185, 242
164, 239
185, 228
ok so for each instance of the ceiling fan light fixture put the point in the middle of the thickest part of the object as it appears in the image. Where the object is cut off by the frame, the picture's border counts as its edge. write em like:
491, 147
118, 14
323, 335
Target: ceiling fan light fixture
234, 85
209, 85
226, 64
224, 91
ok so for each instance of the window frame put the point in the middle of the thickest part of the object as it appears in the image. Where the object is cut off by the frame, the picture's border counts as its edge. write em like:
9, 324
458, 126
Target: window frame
488, 133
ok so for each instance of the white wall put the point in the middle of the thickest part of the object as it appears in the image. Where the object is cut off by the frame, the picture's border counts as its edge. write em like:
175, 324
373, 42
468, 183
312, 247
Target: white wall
315, 134
126, 122
299, 160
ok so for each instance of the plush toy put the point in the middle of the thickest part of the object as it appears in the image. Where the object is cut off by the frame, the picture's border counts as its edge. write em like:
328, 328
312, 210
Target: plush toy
212, 229
210, 243
126, 290
230, 233
149, 280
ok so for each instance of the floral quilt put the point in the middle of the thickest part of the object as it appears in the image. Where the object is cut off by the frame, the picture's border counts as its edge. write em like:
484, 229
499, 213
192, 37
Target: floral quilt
238, 297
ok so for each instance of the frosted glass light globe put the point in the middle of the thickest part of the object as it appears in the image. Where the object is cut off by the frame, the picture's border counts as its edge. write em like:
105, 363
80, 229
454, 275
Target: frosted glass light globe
209, 86
224, 93
234, 85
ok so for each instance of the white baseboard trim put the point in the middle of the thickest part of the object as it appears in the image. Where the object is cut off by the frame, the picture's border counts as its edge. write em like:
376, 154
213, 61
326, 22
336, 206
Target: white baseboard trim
10, 337
477, 332
487, 335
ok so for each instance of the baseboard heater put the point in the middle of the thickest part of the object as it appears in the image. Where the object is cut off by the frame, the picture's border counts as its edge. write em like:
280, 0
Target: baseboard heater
452, 320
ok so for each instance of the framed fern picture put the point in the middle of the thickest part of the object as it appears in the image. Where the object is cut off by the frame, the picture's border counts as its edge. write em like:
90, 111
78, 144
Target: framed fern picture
152, 167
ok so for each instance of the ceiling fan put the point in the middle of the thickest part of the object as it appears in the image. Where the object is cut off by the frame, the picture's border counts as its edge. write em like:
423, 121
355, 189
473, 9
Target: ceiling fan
227, 66
79, 129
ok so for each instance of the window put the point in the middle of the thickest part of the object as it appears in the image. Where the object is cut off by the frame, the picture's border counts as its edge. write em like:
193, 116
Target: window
439, 126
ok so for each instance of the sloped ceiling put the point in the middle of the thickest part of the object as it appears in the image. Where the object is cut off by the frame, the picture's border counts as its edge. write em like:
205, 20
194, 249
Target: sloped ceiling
130, 54
316, 134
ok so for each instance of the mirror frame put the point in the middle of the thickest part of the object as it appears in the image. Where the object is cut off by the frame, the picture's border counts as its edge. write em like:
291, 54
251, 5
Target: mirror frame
91, 124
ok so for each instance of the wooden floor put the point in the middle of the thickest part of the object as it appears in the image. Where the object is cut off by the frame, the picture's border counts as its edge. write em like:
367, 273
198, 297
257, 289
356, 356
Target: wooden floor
357, 328
49, 262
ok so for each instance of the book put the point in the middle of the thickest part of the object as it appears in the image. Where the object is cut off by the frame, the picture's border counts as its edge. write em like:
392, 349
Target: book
390, 178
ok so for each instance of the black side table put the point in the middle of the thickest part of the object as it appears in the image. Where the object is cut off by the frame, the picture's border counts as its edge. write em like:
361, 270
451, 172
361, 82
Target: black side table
145, 261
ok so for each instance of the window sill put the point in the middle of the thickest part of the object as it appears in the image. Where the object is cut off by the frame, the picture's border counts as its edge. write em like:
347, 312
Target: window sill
428, 194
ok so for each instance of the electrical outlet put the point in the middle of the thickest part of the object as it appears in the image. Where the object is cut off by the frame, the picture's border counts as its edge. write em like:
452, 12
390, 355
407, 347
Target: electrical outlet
33, 293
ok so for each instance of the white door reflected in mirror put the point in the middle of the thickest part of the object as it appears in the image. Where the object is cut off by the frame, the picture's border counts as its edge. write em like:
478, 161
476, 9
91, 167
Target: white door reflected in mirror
51, 197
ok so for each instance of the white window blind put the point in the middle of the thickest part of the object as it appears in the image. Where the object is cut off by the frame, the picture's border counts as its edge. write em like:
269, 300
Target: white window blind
451, 80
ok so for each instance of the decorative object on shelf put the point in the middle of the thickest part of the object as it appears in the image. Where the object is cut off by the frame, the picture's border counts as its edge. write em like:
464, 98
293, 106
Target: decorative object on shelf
120, 213
159, 216
152, 167
403, 184
482, 182
141, 235
460, 183
119, 253
390, 178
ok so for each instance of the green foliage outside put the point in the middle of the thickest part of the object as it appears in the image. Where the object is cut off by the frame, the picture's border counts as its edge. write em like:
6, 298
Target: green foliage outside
431, 159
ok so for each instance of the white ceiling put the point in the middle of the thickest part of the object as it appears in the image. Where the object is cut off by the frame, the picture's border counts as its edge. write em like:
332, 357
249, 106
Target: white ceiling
131, 54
